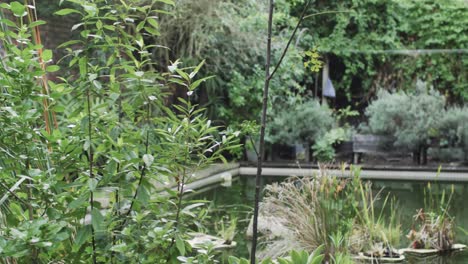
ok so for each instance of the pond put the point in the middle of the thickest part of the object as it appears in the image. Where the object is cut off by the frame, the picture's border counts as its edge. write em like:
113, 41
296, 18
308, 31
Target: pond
237, 201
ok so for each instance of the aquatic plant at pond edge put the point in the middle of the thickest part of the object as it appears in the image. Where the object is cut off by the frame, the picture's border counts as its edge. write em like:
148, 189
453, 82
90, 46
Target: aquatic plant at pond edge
310, 206
433, 226
325, 210
371, 233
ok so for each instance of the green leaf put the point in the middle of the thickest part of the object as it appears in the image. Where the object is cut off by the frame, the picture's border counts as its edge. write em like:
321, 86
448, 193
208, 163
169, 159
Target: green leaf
283, 261
197, 83
52, 68
18, 9
37, 23
92, 184
316, 260
119, 248
97, 219
197, 69
83, 66
61, 236
169, 2
140, 26
153, 22
180, 245
79, 202
8, 22
233, 260
152, 31
82, 236
86, 145
97, 84
148, 160
143, 196
67, 11
182, 74
68, 43
296, 257
91, 9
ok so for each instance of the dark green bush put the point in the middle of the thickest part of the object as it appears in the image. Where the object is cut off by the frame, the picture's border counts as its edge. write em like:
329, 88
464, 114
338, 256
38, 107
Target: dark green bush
302, 122
453, 129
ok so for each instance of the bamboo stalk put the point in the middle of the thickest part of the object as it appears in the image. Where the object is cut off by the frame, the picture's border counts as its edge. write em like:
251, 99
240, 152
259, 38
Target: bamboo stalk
50, 117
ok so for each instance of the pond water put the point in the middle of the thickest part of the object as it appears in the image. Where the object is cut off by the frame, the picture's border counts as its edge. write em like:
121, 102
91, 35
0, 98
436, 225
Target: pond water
237, 201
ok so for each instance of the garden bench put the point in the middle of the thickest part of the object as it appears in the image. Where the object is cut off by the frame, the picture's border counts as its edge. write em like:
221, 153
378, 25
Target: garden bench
371, 144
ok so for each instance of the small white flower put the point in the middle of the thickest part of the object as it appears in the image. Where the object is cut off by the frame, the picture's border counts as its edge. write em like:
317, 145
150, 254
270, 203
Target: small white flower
189, 93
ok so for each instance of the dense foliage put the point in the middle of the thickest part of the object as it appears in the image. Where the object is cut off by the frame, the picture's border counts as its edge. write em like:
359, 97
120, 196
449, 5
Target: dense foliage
411, 118
94, 162
299, 122
419, 120
85, 160
367, 43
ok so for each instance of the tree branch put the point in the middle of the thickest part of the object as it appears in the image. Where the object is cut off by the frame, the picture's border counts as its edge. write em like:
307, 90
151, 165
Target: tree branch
290, 39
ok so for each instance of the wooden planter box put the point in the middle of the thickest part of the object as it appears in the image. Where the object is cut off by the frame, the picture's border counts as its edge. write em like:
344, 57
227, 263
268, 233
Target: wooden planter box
345, 147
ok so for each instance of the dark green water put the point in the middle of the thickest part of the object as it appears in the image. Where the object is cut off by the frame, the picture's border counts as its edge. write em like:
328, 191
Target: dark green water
237, 200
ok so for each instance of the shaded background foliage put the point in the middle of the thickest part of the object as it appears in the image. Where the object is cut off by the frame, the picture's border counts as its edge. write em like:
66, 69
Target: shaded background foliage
229, 35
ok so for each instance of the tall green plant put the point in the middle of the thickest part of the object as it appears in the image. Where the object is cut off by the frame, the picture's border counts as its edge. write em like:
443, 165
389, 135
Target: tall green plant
94, 178
373, 233
24, 154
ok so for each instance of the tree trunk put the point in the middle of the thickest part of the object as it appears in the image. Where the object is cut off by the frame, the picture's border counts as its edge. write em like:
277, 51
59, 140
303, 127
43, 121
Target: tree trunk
268, 77
262, 137
261, 151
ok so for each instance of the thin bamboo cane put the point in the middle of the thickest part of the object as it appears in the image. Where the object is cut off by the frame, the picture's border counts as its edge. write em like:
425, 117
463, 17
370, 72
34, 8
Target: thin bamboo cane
50, 117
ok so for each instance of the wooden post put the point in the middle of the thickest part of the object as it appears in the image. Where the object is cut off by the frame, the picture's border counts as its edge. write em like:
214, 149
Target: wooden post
307, 152
316, 85
324, 77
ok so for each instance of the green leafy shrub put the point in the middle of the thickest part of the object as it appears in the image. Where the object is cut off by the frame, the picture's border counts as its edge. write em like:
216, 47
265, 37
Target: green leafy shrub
295, 257
411, 118
323, 149
453, 128
446, 154
94, 166
299, 122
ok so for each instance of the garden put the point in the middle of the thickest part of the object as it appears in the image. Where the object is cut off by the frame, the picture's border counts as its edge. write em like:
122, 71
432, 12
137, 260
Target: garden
287, 131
